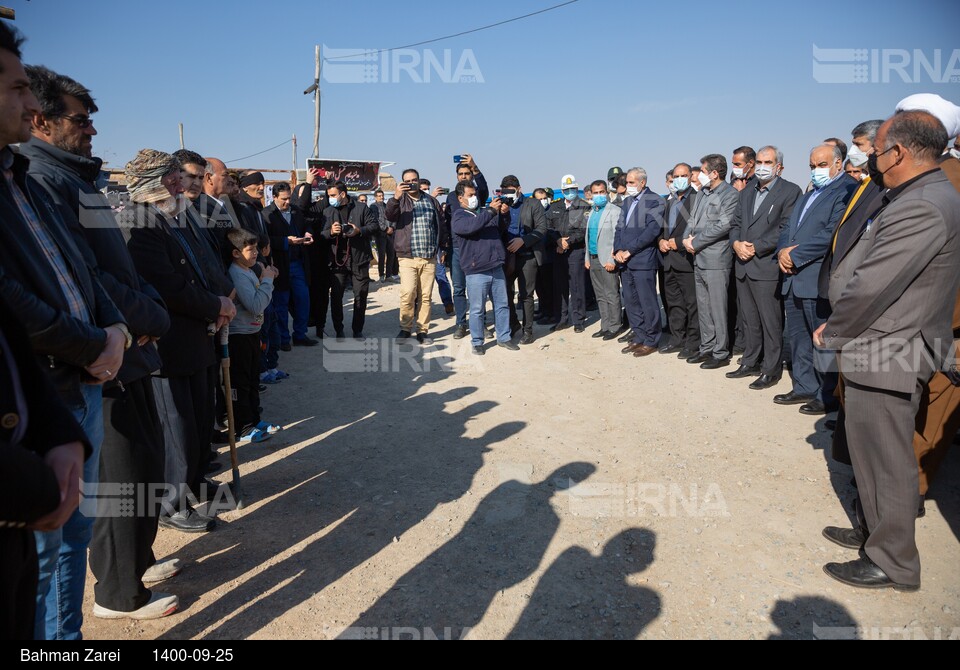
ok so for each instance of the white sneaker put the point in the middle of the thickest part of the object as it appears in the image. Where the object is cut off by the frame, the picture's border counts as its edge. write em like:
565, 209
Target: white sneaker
162, 570
159, 605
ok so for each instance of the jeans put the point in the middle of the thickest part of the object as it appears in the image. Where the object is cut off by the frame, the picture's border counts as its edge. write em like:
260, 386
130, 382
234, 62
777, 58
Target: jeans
459, 280
295, 302
479, 286
443, 284
63, 552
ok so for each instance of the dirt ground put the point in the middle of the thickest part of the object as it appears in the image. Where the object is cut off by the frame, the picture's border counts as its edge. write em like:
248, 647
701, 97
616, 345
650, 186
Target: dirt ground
562, 491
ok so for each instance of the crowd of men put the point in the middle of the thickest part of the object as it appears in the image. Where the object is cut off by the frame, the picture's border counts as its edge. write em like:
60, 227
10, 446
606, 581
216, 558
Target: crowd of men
111, 322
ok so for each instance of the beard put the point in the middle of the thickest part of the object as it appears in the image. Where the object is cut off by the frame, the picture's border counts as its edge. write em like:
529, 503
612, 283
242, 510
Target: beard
173, 206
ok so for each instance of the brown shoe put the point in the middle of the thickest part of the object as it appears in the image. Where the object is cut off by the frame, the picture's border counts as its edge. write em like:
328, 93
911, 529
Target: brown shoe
630, 348
644, 350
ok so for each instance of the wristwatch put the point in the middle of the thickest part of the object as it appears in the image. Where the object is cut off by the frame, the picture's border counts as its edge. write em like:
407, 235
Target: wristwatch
126, 335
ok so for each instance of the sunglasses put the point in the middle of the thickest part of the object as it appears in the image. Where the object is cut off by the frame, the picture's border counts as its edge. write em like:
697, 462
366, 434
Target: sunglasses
83, 122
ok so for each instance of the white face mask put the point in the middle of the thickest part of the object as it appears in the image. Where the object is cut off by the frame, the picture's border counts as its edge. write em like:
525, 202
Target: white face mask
856, 157
473, 202
704, 179
545, 203
765, 172
632, 190
737, 173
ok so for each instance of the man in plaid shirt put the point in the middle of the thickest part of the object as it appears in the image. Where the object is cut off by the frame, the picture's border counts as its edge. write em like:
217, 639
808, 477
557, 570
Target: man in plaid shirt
419, 233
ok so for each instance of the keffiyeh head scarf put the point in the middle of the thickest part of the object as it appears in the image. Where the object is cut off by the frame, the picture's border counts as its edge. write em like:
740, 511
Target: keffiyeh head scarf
144, 173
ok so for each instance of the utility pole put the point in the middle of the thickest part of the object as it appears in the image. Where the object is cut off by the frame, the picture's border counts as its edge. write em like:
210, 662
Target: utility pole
294, 152
181, 137
315, 89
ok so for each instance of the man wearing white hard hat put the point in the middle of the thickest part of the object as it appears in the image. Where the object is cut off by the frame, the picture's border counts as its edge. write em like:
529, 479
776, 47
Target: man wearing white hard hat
567, 221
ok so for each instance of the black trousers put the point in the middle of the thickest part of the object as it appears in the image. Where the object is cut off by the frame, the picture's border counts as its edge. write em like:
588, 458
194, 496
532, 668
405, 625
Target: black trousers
193, 398
386, 256
245, 379
662, 290
132, 453
680, 292
735, 326
524, 278
569, 285
19, 572
761, 308
320, 284
360, 278
545, 291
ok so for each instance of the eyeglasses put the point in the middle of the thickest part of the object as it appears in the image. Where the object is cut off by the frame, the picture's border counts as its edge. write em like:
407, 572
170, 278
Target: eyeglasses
83, 122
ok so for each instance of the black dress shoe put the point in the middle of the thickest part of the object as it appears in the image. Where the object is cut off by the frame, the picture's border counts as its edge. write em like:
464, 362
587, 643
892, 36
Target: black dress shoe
509, 346
460, 333
698, 359
765, 382
560, 326
608, 336
849, 538
578, 328
814, 408
286, 347
670, 349
478, 351
340, 335
743, 371
626, 337
714, 363
527, 338
187, 521
306, 342
686, 353
358, 336
424, 339
865, 574
792, 399
403, 335
599, 333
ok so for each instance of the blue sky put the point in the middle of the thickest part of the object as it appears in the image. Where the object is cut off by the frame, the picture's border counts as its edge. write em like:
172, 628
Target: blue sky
577, 90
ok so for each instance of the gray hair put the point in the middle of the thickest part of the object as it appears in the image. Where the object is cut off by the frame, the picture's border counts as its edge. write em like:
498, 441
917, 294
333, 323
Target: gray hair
837, 154
639, 171
775, 150
867, 129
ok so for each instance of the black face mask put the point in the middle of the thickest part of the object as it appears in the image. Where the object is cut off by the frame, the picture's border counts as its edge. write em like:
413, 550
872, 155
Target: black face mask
875, 175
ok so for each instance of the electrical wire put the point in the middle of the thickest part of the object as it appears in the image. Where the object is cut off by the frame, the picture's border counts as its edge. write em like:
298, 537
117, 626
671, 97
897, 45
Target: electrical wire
447, 37
237, 160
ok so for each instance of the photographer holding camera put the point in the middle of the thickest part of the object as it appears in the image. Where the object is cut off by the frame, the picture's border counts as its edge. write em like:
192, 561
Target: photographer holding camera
349, 226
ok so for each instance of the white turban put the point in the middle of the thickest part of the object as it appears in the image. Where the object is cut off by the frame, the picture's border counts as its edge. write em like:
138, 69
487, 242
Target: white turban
947, 112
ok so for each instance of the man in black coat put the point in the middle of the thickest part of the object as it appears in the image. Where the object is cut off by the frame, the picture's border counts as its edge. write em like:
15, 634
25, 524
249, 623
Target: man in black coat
133, 451
74, 328
168, 255
766, 204
290, 238
680, 290
567, 235
42, 448
348, 228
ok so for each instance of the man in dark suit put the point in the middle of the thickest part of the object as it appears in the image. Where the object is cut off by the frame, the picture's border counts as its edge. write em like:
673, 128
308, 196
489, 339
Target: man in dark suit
765, 208
893, 296
567, 234
803, 244
525, 240
680, 290
167, 254
635, 248
348, 228
290, 237
42, 449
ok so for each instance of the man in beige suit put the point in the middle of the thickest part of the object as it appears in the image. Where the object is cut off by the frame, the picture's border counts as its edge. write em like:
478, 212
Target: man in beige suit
893, 297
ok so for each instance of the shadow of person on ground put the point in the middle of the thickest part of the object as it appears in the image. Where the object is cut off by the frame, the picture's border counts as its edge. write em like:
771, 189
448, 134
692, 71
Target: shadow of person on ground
501, 544
363, 480
812, 618
587, 597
